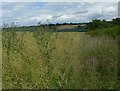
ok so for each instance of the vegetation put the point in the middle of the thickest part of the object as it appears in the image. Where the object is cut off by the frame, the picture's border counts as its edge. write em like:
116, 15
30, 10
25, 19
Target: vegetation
71, 60
0, 59
98, 24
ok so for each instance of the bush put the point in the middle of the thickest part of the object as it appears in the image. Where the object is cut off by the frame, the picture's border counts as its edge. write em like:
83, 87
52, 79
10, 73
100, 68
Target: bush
113, 32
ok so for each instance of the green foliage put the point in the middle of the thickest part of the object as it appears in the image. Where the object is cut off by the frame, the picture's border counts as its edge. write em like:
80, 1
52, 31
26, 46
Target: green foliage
116, 21
98, 24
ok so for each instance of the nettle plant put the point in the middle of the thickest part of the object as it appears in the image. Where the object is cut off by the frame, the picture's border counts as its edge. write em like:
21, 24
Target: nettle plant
10, 40
45, 39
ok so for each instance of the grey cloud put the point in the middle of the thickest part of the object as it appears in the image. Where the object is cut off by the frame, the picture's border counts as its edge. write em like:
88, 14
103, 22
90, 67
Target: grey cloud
81, 12
95, 16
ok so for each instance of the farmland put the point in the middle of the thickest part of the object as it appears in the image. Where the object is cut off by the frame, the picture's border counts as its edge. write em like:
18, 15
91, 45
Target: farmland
71, 60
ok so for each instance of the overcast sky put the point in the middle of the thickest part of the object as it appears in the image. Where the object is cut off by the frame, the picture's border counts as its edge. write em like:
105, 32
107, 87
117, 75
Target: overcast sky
30, 13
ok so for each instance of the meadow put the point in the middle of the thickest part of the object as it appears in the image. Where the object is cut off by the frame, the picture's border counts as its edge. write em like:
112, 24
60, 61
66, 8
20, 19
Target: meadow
53, 60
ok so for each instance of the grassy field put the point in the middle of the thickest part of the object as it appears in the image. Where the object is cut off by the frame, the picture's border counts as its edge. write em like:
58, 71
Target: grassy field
58, 60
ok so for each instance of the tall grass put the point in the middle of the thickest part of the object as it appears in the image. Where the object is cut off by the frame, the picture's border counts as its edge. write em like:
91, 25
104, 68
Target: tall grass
58, 60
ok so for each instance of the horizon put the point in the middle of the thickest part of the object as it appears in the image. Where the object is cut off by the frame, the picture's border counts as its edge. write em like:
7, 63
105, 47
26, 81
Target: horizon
30, 13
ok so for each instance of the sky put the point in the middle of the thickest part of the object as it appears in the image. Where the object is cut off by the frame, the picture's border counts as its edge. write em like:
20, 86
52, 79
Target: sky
30, 13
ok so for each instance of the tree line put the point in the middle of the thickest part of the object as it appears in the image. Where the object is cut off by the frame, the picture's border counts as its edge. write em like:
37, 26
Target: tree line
92, 25
98, 24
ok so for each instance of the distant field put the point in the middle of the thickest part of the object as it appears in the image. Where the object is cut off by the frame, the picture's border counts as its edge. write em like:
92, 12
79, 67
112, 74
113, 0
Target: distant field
57, 28
58, 60
66, 26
